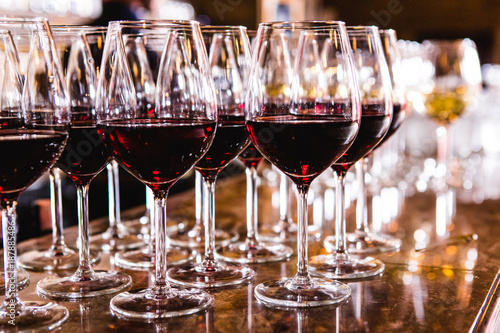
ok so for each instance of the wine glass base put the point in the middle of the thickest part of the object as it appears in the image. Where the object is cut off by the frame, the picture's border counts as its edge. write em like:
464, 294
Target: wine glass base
222, 275
366, 243
144, 259
102, 283
191, 238
242, 253
322, 292
103, 243
23, 279
326, 266
46, 261
138, 226
281, 234
143, 305
33, 316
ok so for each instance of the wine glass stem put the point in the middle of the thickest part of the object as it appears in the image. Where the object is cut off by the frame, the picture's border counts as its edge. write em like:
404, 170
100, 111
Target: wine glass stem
252, 208
302, 278
9, 229
84, 270
113, 197
284, 202
198, 197
361, 213
58, 244
442, 152
150, 204
209, 262
161, 242
340, 223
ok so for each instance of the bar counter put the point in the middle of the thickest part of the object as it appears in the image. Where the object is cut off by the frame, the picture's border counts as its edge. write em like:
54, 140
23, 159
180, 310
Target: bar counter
451, 286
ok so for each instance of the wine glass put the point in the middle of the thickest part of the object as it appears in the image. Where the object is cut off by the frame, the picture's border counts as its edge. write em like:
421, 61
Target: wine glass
34, 120
376, 112
143, 54
59, 255
306, 136
84, 157
228, 46
455, 82
159, 146
363, 240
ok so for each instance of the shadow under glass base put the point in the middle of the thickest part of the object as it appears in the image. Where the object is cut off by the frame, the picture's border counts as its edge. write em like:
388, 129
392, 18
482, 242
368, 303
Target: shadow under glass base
23, 279
145, 305
243, 253
326, 266
194, 239
33, 316
322, 292
102, 283
221, 275
145, 259
49, 261
366, 243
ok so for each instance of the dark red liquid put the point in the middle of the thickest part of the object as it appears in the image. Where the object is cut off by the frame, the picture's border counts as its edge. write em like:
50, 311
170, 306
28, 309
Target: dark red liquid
373, 126
398, 116
250, 156
26, 155
230, 140
85, 154
302, 146
158, 151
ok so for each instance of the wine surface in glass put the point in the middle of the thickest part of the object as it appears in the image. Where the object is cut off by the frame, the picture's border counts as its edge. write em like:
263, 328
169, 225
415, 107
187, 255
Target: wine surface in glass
20, 147
445, 107
373, 127
158, 151
302, 146
230, 140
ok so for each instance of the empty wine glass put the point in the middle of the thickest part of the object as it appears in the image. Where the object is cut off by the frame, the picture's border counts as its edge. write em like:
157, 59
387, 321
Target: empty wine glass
376, 112
59, 255
34, 120
228, 47
159, 146
84, 157
305, 137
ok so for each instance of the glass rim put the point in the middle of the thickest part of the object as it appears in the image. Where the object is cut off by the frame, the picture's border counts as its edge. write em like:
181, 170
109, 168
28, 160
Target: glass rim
153, 23
71, 28
298, 24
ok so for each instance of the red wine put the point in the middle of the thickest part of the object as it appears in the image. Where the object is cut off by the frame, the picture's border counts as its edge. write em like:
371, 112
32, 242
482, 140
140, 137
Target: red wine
230, 140
302, 146
373, 126
158, 151
85, 154
26, 155
250, 156
398, 115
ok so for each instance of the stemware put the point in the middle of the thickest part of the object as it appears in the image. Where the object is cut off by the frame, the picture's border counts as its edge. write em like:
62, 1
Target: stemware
159, 146
228, 47
59, 256
143, 53
84, 157
305, 137
363, 240
454, 83
376, 113
34, 122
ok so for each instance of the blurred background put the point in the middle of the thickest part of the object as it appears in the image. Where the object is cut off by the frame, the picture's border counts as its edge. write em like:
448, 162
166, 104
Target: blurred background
476, 145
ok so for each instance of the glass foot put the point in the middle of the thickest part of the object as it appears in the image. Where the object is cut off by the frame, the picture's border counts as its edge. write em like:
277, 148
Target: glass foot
219, 275
107, 242
145, 304
144, 259
50, 261
285, 233
243, 253
195, 238
23, 279
33, 317
363, 243
138, 226
282, 293
327, 266
101, 283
